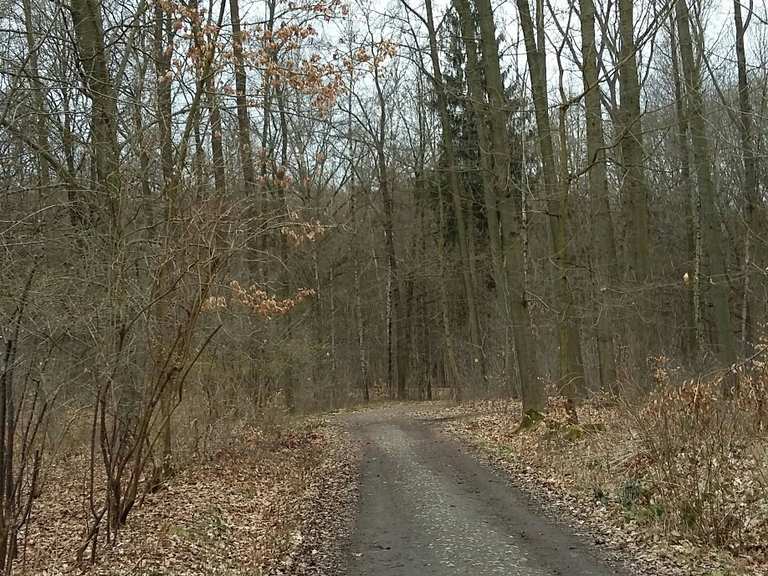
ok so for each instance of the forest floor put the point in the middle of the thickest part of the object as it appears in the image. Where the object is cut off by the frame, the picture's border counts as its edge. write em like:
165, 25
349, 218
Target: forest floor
274, 501
427, 488
588, 479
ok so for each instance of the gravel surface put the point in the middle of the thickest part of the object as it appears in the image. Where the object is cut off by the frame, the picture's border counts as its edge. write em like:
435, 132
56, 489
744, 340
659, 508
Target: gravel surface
427, 507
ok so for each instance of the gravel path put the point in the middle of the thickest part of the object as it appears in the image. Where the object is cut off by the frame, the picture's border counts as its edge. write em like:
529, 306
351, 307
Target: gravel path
429, 508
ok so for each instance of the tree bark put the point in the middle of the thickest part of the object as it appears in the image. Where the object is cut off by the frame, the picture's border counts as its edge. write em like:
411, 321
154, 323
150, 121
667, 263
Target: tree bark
717, 282
532, 392
214, 114
396, 374
468, 273
694, 334
451, 366
241, 101
571, 376
89, 36
603, 242
477, 99
754, 280
38, 96
634, 189
163, 40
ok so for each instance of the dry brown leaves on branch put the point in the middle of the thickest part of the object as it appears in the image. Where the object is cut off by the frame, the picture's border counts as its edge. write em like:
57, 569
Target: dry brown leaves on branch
258, 301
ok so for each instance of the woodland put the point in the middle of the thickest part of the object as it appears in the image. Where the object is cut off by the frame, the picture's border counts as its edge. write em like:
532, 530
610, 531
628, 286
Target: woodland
220, 216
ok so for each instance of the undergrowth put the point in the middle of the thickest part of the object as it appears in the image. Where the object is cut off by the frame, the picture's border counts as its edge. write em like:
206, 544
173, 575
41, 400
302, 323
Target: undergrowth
706, 461
686, 466
240, 508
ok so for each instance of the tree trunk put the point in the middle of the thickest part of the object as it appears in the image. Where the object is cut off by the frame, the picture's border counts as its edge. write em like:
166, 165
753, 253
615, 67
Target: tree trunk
214, 113
717, 283
694, 334
362, 355
241, 101
451, 366
163, 39
267, 100
38, 97
603, 242
571, 376
634, 189
396, 375
754, 285
490, 198
89, 36
532, 392
468, 272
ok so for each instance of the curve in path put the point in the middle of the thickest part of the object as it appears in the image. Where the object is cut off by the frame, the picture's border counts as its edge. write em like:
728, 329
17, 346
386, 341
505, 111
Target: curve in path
428, 508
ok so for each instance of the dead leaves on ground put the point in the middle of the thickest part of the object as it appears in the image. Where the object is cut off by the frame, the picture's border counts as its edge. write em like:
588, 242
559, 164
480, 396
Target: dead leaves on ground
596, 474
268, 504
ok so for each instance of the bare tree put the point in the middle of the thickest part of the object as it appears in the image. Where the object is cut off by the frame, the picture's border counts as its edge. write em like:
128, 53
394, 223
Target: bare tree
754, 249
717, 286
604, 246
634, 184
531, 389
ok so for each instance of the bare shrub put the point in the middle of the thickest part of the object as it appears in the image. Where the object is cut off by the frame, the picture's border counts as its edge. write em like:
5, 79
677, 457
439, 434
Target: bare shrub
703, 459
23, 416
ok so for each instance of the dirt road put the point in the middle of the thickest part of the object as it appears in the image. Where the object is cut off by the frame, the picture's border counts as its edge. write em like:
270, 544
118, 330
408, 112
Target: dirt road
429, 508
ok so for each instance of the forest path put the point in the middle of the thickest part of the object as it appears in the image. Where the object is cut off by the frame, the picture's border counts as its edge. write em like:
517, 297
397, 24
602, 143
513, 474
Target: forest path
427, 507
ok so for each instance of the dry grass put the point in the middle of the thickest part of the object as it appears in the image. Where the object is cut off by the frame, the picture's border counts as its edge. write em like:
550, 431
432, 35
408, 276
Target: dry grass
680, 486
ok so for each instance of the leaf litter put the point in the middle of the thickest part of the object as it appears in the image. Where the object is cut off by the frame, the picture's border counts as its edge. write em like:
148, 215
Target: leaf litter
270, 503
596, 476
